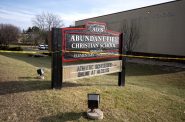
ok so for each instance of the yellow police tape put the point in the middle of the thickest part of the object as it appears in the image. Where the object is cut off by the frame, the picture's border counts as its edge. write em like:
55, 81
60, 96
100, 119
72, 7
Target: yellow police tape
25, 52
87, 52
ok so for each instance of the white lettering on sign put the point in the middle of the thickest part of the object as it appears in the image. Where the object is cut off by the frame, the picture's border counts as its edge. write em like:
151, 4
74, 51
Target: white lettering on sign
96, 28
93, 42
89, 38
92, 45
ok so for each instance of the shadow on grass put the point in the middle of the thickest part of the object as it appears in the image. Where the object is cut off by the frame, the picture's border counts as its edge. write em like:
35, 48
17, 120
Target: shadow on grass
133, 69
64, 117
25, 77
9, 87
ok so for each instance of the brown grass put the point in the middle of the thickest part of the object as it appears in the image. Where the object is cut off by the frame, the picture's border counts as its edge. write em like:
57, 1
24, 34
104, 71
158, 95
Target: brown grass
152, 93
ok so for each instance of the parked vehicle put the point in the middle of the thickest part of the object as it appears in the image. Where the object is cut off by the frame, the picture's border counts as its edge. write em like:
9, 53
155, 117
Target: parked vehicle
43, 47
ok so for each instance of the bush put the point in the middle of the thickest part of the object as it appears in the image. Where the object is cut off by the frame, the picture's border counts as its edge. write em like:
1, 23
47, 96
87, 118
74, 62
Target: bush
16, 49
3, 47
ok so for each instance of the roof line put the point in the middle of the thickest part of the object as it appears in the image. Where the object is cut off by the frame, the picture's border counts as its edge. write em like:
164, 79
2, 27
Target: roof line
131, 10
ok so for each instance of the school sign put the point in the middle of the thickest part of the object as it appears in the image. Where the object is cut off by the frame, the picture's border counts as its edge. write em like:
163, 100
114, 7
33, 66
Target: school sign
90, 43
94, 38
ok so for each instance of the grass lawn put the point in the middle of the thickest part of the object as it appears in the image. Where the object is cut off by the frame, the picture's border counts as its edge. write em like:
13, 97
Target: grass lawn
152, 93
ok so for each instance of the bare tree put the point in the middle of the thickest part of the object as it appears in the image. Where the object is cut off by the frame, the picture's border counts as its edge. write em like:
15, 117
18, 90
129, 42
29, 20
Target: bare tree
46, 21
8, 33
131, 34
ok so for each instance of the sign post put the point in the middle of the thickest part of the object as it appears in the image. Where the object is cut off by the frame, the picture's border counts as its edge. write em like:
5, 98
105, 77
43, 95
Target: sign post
56, 58
121, 76
93, 42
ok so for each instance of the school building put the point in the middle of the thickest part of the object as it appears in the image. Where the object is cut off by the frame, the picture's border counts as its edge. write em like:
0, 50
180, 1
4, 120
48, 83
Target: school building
161, 27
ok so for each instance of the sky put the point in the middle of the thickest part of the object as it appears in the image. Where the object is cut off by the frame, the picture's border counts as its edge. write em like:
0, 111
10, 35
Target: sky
22, 12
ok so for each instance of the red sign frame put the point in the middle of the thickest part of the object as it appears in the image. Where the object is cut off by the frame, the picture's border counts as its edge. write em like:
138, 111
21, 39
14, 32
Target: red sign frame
64, 32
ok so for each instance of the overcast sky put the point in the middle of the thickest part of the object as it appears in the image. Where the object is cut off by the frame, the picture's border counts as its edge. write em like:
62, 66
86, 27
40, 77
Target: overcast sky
21, 12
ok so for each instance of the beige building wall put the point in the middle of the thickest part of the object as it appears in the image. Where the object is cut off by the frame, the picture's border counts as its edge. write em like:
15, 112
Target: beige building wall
162, 27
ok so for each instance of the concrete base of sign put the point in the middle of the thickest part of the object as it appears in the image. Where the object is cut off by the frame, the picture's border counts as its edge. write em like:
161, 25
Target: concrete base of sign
95, 114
